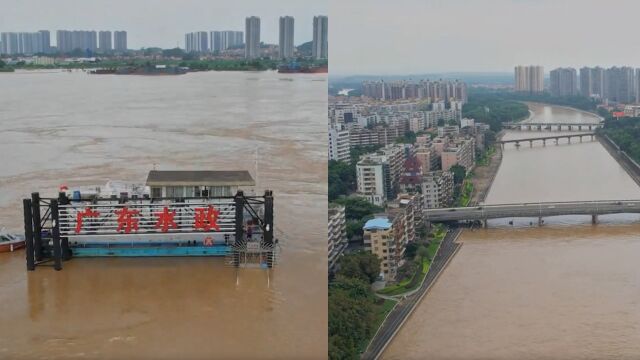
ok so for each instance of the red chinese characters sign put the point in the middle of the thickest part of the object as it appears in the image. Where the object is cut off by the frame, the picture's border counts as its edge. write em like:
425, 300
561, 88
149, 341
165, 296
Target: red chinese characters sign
207, 219
147, 218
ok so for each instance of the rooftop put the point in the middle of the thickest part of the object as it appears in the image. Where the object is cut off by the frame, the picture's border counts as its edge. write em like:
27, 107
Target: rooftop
381, 223
199, 178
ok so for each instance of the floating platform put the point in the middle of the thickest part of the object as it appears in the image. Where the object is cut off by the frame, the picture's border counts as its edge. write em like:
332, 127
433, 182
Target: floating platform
150, 251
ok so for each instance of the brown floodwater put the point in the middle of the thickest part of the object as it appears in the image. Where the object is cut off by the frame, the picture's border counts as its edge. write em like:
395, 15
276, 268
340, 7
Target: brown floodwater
79, 129
566, 290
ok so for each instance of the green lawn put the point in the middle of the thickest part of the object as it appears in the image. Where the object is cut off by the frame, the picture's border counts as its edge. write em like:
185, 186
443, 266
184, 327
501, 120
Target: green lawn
465, 197
486, 156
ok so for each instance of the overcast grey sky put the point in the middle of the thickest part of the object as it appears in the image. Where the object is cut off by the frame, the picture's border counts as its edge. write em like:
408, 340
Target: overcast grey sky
380, 37
161, 22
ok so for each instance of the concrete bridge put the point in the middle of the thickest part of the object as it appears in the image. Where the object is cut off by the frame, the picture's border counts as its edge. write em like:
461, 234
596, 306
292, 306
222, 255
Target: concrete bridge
544, 139
531, 126
543, 209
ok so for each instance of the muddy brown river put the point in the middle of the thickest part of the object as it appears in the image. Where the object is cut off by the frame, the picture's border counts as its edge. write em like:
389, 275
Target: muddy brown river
81, 129
566, 290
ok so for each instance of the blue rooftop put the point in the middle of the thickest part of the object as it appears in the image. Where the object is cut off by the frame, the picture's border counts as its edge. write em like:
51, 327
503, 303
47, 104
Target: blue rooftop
377, 224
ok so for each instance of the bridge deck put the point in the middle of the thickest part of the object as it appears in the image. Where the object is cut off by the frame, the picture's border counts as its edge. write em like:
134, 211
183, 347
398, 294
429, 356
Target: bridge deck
554, 137
484, 212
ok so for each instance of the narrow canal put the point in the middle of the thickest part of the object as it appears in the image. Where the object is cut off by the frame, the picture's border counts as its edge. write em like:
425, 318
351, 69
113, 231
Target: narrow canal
567, 290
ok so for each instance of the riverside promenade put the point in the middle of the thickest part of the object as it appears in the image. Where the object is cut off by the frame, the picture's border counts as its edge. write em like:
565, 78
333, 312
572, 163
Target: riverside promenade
405, 307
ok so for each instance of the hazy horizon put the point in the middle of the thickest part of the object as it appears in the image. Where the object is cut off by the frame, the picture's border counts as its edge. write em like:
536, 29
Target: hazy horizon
403, 37
158, 23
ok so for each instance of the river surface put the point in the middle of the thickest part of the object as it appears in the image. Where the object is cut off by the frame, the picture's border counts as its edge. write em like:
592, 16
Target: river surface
79, 129
567, 290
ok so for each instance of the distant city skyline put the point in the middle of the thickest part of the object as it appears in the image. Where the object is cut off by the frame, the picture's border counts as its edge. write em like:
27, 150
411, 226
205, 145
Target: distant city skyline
169, 23
416, 37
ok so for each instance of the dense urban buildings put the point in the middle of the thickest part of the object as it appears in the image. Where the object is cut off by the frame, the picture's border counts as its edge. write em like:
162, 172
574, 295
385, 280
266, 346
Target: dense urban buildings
320, 47
224, 40
286, 37
104, 41
337, 234
68, 41
564, 82
529, 78
410, 146
13, 43
252, 40
439, 90
196, 42
120, 41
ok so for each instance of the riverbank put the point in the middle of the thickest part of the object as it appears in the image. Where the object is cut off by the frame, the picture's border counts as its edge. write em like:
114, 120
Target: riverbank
628, 164
405, 307
483, 175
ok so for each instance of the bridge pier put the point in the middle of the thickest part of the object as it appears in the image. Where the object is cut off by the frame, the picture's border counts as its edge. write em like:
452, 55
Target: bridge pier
594, 219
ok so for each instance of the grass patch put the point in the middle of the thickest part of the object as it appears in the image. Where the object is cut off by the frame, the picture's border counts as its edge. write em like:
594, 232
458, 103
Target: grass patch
485, 157
465, 196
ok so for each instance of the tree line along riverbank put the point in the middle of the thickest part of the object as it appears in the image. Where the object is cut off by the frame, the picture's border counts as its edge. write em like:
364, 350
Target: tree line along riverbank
192, 63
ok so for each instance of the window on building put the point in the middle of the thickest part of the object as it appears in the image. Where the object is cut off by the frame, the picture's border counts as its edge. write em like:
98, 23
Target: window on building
156, 192
175, 191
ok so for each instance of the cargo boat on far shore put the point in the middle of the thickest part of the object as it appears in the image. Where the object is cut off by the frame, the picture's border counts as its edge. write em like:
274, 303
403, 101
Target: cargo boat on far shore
295, 68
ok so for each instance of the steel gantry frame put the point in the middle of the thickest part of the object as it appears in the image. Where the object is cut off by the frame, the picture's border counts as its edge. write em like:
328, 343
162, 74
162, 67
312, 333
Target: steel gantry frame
47, 242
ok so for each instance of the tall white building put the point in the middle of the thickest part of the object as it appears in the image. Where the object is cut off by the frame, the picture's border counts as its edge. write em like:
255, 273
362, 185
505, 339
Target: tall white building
339, 144
196, 42
320, 48
529, 78
437, 189
378, 174
78, 39
120, 41
25, 43
104, 41
223, 40
252, 38
563, 82
337, 234
286, 37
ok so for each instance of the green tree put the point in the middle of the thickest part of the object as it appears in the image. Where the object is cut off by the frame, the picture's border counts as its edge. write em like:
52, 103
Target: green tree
342, 179
459, 173
357, 208
352, 316
411, 250
2, 64
360, 265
